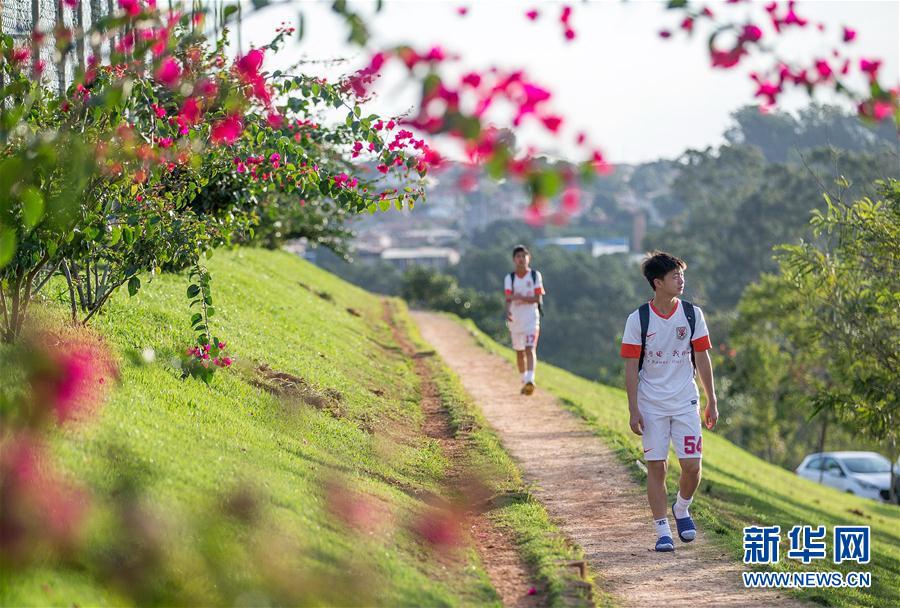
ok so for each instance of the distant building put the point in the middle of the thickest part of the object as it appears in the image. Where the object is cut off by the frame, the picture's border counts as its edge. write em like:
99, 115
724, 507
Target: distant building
430, 257
609, 246
569, 243
596, 247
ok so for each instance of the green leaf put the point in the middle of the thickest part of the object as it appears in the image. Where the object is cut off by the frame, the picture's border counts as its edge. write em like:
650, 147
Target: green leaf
134, 284
550, 183
32, 206
7, 246
196, 318
210, 311
193, 291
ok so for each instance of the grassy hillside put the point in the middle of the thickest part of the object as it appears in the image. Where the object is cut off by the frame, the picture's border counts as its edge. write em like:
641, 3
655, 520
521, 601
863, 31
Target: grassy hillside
739, 489
223, 494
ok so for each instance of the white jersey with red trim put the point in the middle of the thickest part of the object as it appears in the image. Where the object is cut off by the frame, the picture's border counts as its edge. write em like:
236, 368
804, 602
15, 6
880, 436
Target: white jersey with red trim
525, 317
666, 381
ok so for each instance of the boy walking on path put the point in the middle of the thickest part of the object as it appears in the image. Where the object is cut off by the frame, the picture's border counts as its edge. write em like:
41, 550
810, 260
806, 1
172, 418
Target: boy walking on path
524, 288
665, 342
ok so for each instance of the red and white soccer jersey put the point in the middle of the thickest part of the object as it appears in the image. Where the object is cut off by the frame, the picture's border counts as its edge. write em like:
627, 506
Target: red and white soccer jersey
666, 383
525, 317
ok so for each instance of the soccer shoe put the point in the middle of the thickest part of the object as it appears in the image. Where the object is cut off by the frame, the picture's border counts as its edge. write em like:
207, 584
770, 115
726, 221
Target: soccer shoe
665, 544
528, 388
687, 531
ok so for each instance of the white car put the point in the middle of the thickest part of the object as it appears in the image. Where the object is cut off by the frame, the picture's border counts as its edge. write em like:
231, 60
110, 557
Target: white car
865, 474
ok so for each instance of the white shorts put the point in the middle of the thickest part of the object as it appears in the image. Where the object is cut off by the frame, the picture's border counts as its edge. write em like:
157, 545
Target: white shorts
683, 430
524, 339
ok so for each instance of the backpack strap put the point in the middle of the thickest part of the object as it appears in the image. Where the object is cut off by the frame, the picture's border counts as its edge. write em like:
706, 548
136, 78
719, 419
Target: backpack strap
692, 322
644, 316
540, 298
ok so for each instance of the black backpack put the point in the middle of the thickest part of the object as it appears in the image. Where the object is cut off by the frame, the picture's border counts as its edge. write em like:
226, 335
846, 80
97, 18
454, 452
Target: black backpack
512, 279
644, 315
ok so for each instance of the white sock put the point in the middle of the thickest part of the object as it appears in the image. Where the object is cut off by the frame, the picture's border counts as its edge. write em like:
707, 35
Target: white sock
529, 376
662, 527
524, 377
681, 506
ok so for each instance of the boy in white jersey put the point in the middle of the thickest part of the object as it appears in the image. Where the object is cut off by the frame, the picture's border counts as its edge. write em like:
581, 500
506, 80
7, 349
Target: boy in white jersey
524, 289
663, 342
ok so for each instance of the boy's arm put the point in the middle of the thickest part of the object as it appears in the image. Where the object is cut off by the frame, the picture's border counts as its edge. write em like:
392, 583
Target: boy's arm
527, 299
631, 385
704, 369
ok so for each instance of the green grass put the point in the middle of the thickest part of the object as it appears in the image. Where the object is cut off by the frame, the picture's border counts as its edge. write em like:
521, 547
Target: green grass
540, 542
738, 489
174, 449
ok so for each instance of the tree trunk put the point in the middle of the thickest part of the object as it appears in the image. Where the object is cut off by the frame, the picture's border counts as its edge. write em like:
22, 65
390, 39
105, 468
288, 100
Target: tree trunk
822, 441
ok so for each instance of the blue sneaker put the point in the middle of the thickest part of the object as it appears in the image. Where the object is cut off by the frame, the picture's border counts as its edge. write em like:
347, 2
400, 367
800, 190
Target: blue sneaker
665, 544
687, 531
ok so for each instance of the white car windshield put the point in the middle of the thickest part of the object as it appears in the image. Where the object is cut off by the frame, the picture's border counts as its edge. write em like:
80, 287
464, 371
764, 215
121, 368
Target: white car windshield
868, 464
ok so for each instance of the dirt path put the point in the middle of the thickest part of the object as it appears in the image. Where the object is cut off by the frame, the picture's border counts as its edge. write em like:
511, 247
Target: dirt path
509, 575
587, 490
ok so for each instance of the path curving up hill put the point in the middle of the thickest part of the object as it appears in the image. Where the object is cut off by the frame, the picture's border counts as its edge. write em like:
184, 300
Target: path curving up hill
587, 490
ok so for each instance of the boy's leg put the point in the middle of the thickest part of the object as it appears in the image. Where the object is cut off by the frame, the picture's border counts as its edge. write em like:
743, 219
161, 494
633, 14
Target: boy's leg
690, 477
656, 448
520, 361
530, 355
688, 440
656, 488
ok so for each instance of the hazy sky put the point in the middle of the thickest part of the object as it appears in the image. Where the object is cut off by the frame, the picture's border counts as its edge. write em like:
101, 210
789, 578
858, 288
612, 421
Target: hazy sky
637, 96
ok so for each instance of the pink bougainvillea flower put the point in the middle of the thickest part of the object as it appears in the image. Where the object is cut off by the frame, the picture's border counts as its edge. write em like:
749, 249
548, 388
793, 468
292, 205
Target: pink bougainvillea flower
472, 79
131, 7
168, 72
569, 33
71, 3
462, 10
870, 67
248, 65
532, 14
227, 130
20, 55
40, 510
727, 59
207, 88
552, 122
823, 69
877, 109
571, 200
769, 90
688, 24
439, 528
849, 34
665, 34
535, 215
751, 33
599, 163
190, 111
275, 120
72, 380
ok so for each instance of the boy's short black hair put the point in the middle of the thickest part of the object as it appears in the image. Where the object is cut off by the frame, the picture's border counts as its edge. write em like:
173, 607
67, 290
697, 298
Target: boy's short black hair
658, 264
520, 248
